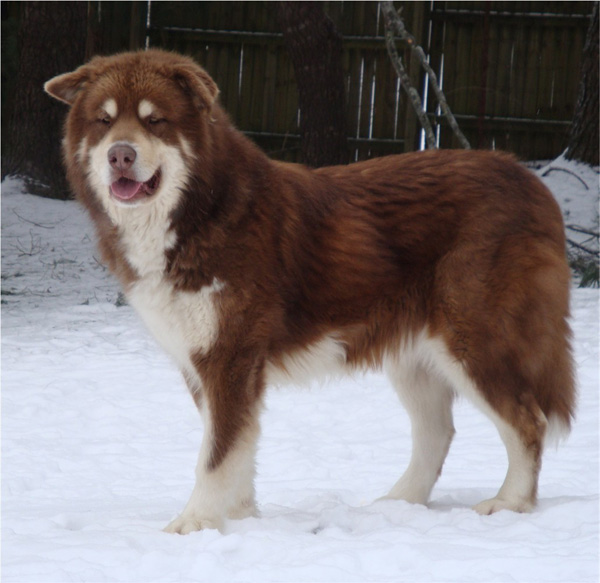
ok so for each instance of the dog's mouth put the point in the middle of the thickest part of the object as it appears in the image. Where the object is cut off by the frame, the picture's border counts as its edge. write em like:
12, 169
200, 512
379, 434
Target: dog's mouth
127, 190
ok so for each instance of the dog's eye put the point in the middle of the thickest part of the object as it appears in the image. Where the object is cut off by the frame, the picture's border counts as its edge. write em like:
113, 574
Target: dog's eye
105, 120
155, 120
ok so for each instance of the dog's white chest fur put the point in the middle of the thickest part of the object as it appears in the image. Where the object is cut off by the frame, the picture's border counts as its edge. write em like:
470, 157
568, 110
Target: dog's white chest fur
184, 323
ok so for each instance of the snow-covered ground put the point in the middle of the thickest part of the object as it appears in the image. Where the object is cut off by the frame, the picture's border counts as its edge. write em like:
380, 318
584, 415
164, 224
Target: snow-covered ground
575, 186
99, 442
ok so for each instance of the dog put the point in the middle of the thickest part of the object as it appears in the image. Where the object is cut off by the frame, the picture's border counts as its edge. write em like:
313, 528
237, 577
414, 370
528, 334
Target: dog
445, 269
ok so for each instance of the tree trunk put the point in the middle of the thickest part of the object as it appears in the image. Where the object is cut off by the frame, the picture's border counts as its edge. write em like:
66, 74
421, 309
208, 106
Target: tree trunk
583, 138
51, 41
315, 48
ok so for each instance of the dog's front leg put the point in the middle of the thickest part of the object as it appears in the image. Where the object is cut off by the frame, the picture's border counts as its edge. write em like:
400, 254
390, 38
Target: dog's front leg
230, 407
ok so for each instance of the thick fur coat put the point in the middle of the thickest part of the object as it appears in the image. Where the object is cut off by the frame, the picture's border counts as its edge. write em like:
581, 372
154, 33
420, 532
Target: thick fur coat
444, 268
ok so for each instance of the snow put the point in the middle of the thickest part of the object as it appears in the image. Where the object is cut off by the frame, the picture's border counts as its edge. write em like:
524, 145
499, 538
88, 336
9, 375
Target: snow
575, 186
100, 438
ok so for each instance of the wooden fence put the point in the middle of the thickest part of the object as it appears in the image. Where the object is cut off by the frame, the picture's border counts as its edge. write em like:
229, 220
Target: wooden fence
241, 45
510, 70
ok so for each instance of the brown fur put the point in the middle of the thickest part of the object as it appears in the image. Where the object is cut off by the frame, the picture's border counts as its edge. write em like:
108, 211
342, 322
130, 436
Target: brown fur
467, 244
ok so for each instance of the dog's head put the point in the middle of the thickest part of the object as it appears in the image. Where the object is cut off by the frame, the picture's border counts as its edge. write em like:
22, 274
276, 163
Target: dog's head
134, 124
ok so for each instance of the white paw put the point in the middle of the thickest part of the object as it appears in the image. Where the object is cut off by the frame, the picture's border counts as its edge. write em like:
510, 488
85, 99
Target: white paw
409, 499
492, 505
409, 492
244, 509
187, 523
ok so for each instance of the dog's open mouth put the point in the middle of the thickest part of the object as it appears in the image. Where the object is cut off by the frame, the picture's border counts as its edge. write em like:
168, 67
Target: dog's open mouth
127, 190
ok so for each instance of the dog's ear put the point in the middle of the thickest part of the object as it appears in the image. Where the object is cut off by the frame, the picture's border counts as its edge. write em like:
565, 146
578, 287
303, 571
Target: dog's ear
66, 87
197, 83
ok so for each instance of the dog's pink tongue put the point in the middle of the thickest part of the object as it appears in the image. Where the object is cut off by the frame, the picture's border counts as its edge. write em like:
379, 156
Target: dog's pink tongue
125, 188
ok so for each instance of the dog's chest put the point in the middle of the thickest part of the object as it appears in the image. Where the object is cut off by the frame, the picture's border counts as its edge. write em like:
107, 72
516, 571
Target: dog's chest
184, 323
145, 243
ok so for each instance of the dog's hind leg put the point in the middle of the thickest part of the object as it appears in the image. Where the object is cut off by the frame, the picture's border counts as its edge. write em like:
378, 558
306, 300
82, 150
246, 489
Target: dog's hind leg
522, 431
428, 402
520, 423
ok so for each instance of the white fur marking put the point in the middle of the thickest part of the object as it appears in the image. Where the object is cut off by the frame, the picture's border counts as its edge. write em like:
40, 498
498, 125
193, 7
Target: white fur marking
110, 107
82, 150
556, 432
324, 358
185, 146
182, 322
145, 109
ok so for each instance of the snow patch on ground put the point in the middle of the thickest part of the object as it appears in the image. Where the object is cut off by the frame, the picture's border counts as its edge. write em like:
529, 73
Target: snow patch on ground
100, 438
575, 186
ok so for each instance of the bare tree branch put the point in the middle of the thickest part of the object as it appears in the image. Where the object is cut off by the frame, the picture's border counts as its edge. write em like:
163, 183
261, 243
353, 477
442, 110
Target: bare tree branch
394, 22
579, 229
583, 248
405, 83
558, 169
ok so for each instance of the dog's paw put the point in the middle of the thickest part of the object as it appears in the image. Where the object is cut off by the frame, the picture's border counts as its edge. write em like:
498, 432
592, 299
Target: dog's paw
245, 509
409, 491
493, 505
410, 499
187, 523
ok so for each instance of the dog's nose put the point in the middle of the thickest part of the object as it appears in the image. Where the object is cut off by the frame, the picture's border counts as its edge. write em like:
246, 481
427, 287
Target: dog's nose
121, 156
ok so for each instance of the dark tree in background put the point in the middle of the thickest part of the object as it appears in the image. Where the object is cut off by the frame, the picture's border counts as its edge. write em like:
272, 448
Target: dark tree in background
583, 138
51, 40
315, 48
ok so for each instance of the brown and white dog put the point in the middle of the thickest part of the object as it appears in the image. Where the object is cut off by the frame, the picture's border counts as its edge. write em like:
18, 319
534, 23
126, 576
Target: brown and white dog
446, 269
